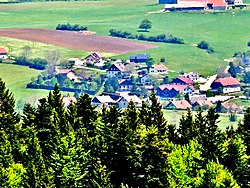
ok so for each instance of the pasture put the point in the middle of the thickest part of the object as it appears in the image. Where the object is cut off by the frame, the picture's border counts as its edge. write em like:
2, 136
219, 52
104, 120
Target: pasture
173, 117
223, 31
16, 77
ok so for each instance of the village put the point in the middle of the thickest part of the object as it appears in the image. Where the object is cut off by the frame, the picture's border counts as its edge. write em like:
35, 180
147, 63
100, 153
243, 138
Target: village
117, 82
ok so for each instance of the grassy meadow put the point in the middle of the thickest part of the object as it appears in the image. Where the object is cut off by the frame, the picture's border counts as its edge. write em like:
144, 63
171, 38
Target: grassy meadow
227, 32
223, 31
16, 78
173, 117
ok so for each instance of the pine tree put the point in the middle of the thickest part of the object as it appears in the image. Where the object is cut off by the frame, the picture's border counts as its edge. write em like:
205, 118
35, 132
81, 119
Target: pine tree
235, 159
86, 114
185, 132
144, 115
132, 116
212, 138
157, 118
59, 112
244, 130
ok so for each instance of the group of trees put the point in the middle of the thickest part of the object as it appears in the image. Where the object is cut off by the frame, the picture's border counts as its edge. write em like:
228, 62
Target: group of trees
205, 46
79, 146
36, 63
70, 27
159, 38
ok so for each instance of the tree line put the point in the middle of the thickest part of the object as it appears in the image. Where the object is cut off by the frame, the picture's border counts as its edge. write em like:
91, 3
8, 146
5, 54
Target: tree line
159, 38
82, 146
70, 27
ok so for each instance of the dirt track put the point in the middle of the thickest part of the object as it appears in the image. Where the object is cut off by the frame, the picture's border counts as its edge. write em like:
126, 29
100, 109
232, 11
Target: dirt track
78, 41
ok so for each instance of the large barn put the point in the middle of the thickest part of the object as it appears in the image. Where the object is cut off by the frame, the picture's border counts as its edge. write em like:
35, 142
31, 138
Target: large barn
182, 5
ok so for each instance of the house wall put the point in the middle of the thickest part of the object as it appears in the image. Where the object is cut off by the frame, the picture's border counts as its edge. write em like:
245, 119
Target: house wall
123, 103
3, 56
231, 89
112, 74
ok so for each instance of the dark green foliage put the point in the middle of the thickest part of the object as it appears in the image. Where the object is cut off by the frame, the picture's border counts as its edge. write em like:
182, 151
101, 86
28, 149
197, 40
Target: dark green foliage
70, 27
80, 146
231, 70
244, 130
246, 78
205, 46
159, 38
145, 24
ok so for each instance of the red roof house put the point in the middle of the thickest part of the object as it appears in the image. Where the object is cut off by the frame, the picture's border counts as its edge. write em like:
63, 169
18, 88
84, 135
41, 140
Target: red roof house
226, 85
182, 81
158, 69
3, 53
179, 105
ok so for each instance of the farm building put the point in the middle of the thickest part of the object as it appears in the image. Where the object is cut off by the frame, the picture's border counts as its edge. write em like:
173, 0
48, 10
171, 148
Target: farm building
226, 85
3, 53
158, 69
139, 58
182, 5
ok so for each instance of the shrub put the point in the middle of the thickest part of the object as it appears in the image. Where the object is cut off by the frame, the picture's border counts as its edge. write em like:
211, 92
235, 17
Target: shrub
70, 27
248, 44
205, 46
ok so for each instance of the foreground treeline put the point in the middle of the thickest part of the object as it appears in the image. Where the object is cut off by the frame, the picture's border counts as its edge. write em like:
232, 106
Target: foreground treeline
50, 146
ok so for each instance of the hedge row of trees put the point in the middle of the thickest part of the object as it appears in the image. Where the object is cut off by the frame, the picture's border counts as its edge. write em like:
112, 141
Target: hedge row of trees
160, 38
51, 146
70, 27
37, 63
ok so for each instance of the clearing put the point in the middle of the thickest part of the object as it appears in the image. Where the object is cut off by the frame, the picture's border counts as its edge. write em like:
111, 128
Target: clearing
77, 40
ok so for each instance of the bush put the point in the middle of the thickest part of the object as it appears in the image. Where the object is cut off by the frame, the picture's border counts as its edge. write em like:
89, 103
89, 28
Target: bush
158, 38
69, 27
232, 117
248, 44
205, 46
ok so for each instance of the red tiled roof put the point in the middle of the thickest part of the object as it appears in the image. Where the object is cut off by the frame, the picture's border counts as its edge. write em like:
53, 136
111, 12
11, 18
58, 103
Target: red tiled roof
204, 103
160, 67
3, 51
120, 66
64, 71
217, 3
181, 104
186, 80
227, 81
173, 86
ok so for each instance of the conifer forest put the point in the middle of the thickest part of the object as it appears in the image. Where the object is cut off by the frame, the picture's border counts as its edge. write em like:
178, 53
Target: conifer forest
49, 145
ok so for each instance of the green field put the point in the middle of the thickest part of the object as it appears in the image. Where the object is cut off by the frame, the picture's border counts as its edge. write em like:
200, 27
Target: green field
173, 117
16, 78
227, 34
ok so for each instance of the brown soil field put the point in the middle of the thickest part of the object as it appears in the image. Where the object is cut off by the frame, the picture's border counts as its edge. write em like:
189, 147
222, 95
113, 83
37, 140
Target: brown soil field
77, 40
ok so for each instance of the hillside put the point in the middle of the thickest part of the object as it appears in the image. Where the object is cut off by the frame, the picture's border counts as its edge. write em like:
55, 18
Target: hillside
225, 33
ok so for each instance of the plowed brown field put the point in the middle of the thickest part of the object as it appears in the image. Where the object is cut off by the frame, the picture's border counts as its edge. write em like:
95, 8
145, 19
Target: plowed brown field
76, 40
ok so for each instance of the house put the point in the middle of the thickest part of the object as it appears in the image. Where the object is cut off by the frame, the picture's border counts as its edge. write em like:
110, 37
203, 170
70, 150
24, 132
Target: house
178, 105
67, 100
204, 104
195, 77
226, 85
76, 62
3, 53
103, 100
124, 101
125, 85
93, 58
182, 81
170, 92
231, 107
186, 5
158, 69
146, 80
116, 70
68, 73
139, 58
167, 1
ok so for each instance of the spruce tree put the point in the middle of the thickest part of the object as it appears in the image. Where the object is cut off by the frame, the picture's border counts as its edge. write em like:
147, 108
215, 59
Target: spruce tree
185, 128
244, 130
235, 159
